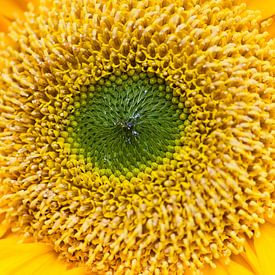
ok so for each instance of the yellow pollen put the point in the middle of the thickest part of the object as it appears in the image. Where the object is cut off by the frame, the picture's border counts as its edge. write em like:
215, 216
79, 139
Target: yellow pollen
197, 203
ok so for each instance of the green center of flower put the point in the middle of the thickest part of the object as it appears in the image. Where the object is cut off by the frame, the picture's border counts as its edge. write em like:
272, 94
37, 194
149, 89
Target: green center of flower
126, 122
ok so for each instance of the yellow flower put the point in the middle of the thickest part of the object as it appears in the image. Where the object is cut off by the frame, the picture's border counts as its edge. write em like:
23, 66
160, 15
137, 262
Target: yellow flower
137, 137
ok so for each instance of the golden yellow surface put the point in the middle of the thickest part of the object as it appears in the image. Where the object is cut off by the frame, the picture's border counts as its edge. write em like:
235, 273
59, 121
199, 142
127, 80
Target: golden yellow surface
255, 256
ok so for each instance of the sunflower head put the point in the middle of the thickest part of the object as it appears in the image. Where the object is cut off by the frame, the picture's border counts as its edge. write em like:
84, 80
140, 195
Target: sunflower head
137, 136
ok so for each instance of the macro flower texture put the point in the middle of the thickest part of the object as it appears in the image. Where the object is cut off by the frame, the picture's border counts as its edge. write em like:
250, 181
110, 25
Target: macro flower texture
137, 137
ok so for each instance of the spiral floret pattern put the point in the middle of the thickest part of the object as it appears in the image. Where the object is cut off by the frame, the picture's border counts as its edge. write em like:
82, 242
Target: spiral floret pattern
129, 182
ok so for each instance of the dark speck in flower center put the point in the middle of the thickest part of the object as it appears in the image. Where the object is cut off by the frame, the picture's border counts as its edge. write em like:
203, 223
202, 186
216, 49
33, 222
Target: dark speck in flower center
126, 123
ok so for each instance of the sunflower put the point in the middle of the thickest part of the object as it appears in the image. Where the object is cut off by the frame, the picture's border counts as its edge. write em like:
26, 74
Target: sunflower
137, 137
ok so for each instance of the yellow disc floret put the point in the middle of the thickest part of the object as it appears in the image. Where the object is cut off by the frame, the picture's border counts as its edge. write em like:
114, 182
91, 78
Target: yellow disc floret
199, 199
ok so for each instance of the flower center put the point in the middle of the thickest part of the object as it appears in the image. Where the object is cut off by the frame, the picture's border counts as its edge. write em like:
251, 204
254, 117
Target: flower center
128, 173
126, 122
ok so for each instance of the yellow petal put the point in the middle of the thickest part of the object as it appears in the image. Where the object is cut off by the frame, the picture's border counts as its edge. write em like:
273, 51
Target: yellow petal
4, 24
264, 248
271, 219
267, 7
11, 9
234, 268
31, 258
271, 29
250, 257
219, 270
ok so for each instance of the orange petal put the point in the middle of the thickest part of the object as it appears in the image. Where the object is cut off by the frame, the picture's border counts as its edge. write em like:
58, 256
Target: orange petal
264, 248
